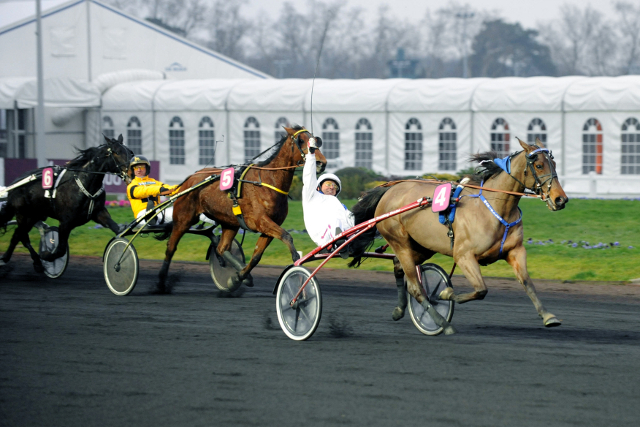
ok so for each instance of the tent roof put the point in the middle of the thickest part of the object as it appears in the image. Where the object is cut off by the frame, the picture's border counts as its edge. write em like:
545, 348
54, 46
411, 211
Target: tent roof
522, 94
342, 95
449, 94
132, 96
269, 95
58, 92
9, 86
195, 95
604, 93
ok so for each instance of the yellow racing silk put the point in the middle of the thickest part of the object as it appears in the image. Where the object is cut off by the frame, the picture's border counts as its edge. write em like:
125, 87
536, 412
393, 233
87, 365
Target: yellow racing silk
144, 193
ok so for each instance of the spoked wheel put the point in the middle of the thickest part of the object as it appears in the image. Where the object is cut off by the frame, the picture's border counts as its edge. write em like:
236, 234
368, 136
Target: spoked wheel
49, 243
120, 266
301, 320
220, 274
434, 281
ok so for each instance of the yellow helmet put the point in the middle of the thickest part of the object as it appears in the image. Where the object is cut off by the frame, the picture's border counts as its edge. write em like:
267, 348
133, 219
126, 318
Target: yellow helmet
140, 160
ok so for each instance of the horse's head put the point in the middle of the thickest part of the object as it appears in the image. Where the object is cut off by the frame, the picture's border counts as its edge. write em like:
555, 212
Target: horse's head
117, 157
540, 175
300, 147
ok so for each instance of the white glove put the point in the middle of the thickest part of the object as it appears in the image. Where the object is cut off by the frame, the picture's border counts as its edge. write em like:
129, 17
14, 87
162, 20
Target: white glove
312, 145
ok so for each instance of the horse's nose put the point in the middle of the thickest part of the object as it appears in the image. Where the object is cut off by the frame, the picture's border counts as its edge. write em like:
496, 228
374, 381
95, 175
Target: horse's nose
560, 201
320, 166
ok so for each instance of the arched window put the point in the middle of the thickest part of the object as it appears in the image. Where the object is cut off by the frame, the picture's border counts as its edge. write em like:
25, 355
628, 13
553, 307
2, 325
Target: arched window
364, 144
107, 127
592, 146
537, 129
134, 135
251, 139
206, 142
280, 132
630, 162
330, 141
413, 145
447, 147
500, 137
176, 141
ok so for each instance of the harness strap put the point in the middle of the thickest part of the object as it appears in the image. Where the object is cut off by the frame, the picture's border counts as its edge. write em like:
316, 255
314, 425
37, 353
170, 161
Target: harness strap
298, 133
274, 188
239, 192
58, 181
89, 195
497, 215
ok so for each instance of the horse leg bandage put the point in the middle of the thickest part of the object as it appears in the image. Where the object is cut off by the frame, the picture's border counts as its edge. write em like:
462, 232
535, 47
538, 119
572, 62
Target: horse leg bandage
398, 312
438, 319
235, 262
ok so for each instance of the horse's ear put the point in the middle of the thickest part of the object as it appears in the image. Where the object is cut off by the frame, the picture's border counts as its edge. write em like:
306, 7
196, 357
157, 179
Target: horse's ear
539, 143
289, 130
524, 145
120, 139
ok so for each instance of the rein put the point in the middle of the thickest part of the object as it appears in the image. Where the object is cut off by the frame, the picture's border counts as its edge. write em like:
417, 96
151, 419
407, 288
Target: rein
433, 181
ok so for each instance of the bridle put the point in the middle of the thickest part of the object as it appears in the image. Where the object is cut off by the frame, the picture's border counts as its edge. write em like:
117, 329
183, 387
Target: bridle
121, 167
539, 181
295, 141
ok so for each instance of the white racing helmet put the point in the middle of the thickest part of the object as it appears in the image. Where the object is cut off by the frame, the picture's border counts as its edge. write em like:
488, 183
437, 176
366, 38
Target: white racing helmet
330, 177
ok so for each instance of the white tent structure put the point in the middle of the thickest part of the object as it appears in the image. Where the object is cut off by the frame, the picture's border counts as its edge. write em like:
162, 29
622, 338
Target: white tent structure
396, 127
88, 46
83, 39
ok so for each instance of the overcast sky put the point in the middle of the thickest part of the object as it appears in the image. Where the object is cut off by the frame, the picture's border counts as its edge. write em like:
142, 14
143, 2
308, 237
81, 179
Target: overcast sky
527, 12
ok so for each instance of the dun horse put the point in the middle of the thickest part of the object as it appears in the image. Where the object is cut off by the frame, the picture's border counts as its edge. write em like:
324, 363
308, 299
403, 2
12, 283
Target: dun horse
78, 199
480, 237
263, 203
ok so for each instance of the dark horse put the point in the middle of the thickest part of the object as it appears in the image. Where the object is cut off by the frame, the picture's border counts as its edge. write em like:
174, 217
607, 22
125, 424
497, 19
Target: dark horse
71, 205
479, 237
263, 203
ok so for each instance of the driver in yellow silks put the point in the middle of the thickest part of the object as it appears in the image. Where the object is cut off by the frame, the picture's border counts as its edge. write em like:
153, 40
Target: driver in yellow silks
144, 192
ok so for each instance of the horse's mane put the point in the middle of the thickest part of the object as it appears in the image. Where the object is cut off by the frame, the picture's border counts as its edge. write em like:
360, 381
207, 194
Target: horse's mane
273, 152
487, 168
83, 156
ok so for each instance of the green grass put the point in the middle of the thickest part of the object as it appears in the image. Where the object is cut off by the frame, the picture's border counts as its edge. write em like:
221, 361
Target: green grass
592, 221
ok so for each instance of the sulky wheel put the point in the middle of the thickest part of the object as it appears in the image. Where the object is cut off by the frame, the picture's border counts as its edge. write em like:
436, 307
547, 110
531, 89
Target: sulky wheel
48, 243
434, 281
220, 274
301, 320
120, 266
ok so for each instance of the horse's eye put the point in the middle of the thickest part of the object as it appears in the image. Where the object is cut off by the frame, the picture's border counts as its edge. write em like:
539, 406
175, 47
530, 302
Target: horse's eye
539, 166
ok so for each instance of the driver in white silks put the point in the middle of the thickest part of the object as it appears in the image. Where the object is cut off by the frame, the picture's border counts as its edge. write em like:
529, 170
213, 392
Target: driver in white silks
324, 215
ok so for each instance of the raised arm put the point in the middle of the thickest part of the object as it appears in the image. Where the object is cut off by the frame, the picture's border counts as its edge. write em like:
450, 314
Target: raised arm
309, 178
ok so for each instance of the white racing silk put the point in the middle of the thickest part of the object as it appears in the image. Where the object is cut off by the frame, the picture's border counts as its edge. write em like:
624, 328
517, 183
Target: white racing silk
322, 212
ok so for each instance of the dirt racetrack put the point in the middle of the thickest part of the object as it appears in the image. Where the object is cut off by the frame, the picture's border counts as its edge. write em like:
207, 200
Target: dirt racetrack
73, 354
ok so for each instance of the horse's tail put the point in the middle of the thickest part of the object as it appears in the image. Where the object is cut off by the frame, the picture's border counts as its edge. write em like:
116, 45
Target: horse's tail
164, 235
363, 211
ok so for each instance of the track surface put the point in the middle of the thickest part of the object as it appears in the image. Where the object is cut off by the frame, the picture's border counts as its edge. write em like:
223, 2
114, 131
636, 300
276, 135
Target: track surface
73, 354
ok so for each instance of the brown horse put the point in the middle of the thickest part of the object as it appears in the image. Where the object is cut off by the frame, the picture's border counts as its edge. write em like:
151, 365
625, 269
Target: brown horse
479, 236
264, 207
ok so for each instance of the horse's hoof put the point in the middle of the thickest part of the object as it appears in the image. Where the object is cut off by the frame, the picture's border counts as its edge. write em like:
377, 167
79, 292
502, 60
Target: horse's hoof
447, 294
248, 282
2, 263
397, 314
550, 321
39, 268
450, 330
233, 283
